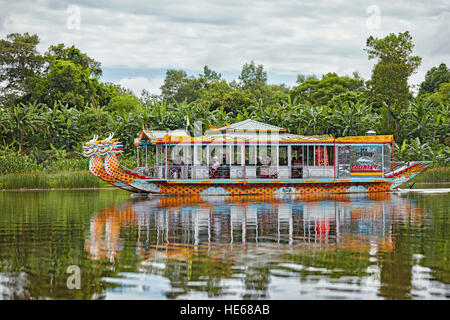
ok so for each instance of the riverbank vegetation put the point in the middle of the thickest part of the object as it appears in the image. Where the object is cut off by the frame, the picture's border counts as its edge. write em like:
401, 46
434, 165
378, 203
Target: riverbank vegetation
52, 103
60, 180
434, 175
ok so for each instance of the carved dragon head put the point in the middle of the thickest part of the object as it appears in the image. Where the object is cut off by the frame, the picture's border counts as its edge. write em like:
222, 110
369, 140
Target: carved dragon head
110, 146
91, 147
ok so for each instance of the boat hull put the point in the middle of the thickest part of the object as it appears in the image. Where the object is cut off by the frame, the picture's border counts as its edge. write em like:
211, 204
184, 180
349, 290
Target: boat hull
96, 167
258, 188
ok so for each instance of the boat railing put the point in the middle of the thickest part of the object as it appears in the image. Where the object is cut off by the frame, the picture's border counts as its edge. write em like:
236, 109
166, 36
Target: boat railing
228, 171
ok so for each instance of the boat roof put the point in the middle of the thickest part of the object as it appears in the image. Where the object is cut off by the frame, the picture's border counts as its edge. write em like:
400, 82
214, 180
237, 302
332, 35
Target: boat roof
249, 125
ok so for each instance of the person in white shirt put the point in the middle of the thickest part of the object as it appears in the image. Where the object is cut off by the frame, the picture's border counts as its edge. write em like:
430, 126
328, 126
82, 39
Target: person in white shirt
216, 165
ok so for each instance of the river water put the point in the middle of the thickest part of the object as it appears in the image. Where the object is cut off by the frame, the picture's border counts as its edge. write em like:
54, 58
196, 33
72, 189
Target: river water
360, 246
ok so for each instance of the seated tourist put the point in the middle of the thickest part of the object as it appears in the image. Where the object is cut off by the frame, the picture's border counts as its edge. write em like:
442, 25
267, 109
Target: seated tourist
258, 166
215, 166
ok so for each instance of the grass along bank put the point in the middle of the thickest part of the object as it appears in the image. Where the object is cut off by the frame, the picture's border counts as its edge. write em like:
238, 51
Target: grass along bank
24, 172
85, 179
433, 175
60, 180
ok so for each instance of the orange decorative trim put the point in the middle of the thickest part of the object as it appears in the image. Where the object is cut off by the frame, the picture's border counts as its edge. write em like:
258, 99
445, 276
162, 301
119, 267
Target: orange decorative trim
366, 139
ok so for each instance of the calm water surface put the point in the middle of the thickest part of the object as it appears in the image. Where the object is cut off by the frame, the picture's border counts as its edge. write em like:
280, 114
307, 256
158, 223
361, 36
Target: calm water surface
380, 246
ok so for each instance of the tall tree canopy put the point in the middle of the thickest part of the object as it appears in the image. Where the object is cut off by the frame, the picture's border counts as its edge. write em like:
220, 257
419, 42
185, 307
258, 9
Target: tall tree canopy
178, 86
312, 91
71, 77
433, 79
389, 82
19, 61
253, 77
175, 85
60, 52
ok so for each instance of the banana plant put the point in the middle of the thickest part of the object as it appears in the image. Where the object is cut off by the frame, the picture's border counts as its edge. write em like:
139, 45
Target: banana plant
23, 120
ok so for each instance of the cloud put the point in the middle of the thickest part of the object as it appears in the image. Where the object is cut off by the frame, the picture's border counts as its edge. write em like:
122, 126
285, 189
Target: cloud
3, 17
136, 84
287, 37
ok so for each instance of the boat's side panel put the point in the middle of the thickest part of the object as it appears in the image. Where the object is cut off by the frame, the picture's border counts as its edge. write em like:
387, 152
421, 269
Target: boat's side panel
96, 167
115, 169
408, 172
262, 188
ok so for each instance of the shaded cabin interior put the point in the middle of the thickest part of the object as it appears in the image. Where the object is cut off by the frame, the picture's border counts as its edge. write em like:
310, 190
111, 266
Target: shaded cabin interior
255, 150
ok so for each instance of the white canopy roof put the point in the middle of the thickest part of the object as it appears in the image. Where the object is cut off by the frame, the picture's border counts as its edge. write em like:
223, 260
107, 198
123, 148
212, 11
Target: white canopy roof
249, 125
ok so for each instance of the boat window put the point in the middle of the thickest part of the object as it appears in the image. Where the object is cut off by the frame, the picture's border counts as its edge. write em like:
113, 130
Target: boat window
283, 155
237, 154
344, 161
162, 155
200, 152
146, 156
189, 154
265, 152
222, 152
197, 156
330, 154
226, 154
366, 160
250, 155
310, 155
321, 156
297, 155
139, 156
176, 155
202, 156
213, 151
387, 158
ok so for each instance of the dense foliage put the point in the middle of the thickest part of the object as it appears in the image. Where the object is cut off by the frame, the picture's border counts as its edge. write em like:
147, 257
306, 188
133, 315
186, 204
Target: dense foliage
51, 104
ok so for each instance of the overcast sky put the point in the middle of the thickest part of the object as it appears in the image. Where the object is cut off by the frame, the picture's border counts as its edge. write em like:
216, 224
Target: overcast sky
136, 42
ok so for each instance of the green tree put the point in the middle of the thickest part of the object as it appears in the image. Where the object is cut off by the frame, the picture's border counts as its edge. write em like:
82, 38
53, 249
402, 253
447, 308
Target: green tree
60, 52
210, 75
275, 93
19, 61
253, 77
434, 78
312, 91
442, 95
125, 102
178, 86
220, 94
420, 119
347, 97
70, 77
389, 82
302, 78
66, 82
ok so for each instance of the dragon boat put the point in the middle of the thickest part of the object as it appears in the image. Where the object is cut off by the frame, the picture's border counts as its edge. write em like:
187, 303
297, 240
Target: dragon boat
251, 157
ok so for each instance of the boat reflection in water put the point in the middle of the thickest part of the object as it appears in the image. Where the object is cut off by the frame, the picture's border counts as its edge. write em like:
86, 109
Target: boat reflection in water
203, 247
